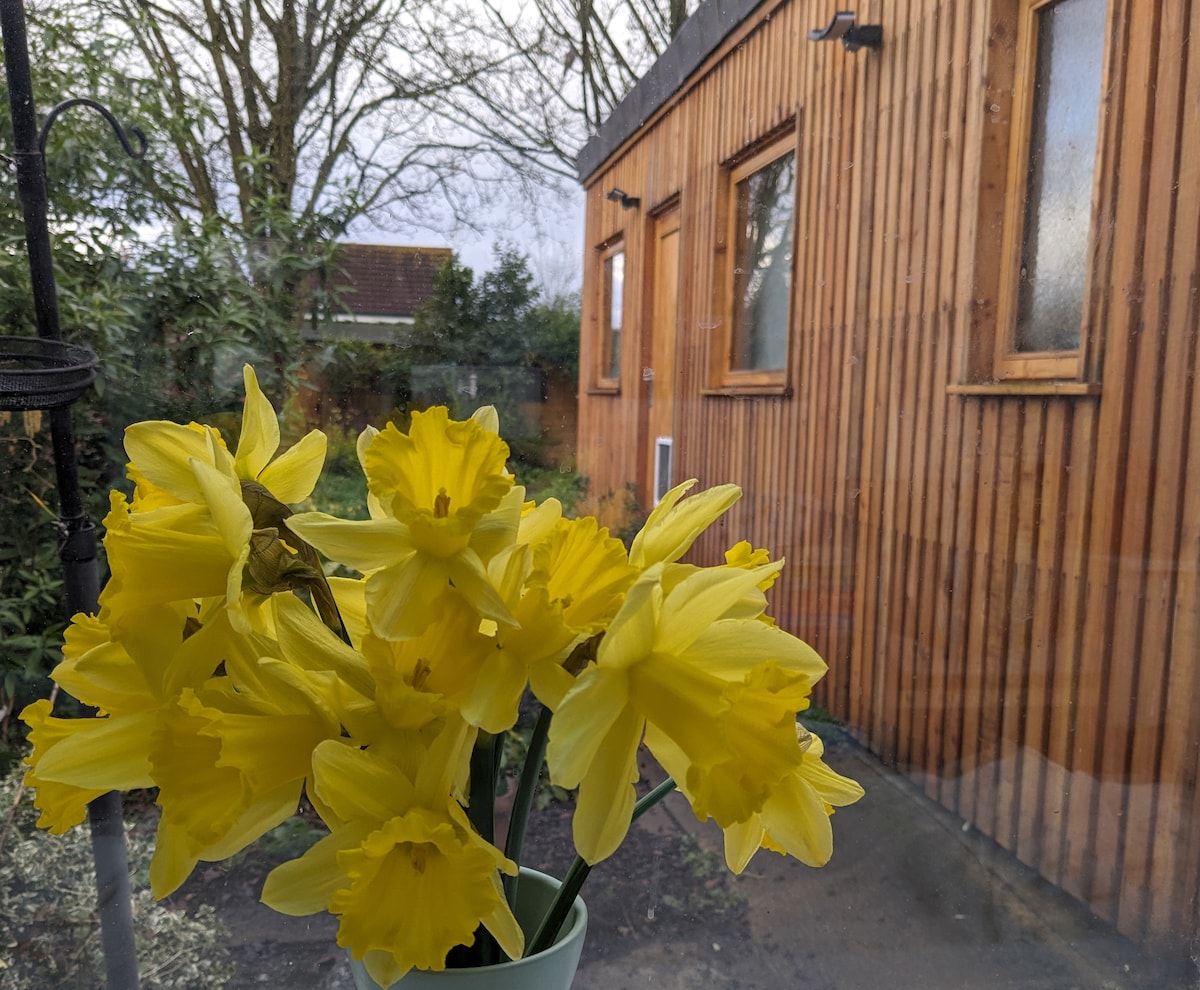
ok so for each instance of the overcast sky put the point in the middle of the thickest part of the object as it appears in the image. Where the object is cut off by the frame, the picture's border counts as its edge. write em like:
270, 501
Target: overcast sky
549, 232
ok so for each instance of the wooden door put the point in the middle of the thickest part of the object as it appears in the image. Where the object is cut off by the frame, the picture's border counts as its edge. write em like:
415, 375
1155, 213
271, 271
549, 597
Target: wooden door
659, 372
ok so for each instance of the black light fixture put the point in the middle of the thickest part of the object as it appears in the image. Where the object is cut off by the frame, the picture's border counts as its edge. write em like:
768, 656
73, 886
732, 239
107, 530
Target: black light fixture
853, 36
615, 195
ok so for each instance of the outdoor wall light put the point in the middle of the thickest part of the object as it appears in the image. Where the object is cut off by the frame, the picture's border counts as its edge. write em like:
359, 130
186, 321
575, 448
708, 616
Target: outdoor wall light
627, 202
854, 36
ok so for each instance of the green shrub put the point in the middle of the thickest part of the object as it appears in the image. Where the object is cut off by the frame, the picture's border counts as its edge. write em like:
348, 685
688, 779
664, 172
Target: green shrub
32, 614
540, 483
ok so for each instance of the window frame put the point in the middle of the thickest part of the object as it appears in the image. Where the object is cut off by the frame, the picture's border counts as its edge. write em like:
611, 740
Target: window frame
1007, 363
602, 380
724, 378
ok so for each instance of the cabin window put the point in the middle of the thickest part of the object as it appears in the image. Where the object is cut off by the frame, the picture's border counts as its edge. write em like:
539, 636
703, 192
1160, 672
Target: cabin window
762, 217
611, 310
1043, 316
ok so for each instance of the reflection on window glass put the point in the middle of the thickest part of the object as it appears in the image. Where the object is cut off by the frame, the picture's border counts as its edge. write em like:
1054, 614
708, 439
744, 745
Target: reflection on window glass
614, 298
1062, 155
762, 275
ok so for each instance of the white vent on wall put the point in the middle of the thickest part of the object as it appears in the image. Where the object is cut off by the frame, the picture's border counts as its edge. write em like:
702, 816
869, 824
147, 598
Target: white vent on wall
663, 456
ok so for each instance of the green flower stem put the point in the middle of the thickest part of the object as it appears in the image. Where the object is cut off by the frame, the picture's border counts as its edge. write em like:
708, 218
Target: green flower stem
578, 873
482, 812
481, 806
535, 756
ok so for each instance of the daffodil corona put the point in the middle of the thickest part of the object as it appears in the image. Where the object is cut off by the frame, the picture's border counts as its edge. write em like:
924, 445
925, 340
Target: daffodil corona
229, 673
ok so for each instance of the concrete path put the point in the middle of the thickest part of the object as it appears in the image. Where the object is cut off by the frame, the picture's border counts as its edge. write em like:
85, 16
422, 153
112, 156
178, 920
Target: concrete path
910, 901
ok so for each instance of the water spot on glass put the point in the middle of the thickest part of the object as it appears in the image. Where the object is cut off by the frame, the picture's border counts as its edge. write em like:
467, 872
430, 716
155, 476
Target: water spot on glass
739, 271
995, 108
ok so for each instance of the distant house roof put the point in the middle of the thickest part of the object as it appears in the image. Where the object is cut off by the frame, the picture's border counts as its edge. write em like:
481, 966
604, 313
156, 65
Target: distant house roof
698, 38
384, 280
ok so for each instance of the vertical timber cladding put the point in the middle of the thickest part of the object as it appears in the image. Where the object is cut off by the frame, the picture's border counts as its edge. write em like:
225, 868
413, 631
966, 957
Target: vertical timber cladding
1003, 579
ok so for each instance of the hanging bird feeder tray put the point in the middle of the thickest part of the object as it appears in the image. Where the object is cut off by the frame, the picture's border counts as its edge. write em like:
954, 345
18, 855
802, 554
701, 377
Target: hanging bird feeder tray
38, 373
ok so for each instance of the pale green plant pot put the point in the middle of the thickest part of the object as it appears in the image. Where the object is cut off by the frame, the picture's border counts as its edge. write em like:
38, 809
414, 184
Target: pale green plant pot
553, 969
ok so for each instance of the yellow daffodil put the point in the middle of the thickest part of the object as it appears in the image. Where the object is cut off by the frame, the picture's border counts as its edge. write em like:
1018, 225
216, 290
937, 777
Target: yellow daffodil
586, 574
723, 690
204, 522
794, 820
426, 677
450, 507
399, 847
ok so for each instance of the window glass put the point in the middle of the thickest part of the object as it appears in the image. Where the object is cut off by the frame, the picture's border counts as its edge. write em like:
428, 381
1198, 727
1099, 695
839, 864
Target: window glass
611, 311
1062, 156
762, 274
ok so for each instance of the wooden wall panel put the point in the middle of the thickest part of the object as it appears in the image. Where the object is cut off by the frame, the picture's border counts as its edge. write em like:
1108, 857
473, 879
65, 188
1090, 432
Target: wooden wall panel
1005, 584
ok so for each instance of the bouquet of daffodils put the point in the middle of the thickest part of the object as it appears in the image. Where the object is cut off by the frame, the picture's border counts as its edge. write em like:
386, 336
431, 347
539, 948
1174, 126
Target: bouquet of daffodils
230, 673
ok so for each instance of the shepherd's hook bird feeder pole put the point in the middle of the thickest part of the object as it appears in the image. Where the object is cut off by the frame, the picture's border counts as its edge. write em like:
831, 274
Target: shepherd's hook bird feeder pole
46, 373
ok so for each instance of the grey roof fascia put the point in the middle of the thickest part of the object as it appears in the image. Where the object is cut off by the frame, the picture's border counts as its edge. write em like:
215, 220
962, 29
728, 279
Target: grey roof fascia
698, 38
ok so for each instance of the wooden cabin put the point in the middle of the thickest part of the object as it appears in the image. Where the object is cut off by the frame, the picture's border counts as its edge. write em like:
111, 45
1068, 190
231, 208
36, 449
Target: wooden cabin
933, 304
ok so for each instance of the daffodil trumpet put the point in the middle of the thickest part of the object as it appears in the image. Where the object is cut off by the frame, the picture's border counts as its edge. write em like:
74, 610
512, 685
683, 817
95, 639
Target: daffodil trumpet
229, 672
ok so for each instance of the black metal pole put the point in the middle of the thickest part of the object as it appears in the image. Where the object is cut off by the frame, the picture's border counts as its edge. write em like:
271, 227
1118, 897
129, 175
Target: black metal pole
79, 538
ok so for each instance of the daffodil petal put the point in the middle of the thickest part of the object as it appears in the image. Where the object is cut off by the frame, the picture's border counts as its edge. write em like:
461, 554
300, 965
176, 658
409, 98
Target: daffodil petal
502, 923
365, 545
730, 647
382, 967
161, 452
796, 820
260, 431
699, 600
306, 885
254, 822
358, 785
630, 636
470, 578
175, 856
606, 793
742, 841
401, 598
598, 701
496, 693
224, 499
107, 753
293, 475
498, 529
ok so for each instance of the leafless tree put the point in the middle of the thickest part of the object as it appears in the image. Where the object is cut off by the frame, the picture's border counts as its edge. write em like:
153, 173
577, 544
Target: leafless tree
567, 64
317, 110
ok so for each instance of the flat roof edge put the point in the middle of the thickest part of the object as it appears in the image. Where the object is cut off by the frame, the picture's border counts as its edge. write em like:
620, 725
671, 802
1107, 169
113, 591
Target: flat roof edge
698, 38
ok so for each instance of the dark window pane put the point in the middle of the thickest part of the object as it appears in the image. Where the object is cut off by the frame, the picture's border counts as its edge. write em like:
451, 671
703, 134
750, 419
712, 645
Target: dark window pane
762, 274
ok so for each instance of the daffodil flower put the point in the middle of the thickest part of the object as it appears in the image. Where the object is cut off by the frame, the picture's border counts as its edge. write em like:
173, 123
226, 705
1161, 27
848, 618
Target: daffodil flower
400, 845
450, 507
204, 522
795, 819
723, 690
